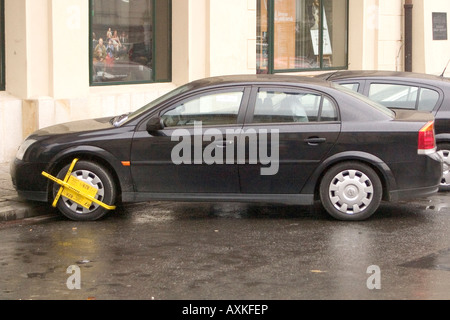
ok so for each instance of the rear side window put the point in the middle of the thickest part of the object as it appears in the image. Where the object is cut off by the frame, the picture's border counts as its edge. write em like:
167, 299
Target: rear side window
394, 96
428, 99
288, 107
403, 96
351, 86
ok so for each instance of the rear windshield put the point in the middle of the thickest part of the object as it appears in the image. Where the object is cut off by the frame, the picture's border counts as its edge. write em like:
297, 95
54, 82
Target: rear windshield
366, 100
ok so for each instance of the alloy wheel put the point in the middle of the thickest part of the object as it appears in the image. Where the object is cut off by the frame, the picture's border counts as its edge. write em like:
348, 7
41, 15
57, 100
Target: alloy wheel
94, 181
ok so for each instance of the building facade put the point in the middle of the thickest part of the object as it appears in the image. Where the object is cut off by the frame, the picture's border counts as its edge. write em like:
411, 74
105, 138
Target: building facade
76, 59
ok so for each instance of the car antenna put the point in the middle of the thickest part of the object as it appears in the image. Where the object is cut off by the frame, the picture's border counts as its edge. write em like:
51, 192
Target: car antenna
443, 72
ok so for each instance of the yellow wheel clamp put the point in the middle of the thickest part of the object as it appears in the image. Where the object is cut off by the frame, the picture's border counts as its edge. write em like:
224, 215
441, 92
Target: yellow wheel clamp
76, 190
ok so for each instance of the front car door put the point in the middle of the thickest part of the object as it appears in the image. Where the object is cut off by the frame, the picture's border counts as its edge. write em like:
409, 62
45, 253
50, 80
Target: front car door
296, 129
189, 154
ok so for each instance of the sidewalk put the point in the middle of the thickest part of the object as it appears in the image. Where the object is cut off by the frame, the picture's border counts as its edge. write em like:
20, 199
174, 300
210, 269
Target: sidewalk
11, 206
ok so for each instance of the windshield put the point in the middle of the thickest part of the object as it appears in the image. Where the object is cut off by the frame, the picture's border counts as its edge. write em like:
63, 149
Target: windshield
363, 98
156, 102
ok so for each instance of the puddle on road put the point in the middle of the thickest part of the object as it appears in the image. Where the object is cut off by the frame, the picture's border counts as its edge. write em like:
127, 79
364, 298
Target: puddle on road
435, 261
438, 203
167, 211
155, 216
163, 212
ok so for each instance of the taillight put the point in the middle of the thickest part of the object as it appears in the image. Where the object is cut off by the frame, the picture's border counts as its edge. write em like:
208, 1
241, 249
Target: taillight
427, 140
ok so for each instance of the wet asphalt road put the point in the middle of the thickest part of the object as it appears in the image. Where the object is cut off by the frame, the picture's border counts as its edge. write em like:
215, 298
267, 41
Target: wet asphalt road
192, 251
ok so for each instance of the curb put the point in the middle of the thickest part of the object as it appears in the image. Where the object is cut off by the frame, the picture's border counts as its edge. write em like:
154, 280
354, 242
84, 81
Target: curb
13, 208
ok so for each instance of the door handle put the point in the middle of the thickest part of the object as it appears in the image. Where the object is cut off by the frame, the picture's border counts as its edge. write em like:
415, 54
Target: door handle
314, 141
224, 143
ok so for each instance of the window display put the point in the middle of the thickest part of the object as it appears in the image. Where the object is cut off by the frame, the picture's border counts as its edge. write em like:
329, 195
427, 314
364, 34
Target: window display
297, 35
130, 41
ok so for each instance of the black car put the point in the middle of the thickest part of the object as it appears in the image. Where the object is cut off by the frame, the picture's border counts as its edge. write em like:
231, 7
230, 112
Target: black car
266, 139
407, 90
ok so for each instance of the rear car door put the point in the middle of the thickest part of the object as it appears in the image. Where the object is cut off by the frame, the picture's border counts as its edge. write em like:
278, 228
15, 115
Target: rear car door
295, 130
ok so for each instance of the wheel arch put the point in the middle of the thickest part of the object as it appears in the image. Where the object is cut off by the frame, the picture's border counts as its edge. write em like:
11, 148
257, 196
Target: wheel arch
443, 138
120, 175
380, 167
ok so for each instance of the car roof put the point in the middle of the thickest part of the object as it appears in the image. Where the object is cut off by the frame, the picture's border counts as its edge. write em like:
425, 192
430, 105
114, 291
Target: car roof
258, 79
386, 75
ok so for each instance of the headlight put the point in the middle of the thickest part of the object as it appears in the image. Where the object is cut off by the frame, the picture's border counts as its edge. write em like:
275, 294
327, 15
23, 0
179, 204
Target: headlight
24, 147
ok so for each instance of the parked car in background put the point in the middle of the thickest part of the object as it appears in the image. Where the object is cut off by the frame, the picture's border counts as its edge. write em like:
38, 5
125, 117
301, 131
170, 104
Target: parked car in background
265, 139
406, 90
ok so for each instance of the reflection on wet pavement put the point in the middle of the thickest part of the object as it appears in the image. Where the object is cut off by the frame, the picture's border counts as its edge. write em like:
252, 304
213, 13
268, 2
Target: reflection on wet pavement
434, 261
438, 203
167, 211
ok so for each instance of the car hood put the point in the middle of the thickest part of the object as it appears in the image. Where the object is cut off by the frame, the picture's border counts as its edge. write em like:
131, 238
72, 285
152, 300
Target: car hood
76, 126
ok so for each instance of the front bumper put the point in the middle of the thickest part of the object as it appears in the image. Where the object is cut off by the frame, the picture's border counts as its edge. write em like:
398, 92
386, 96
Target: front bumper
28, 181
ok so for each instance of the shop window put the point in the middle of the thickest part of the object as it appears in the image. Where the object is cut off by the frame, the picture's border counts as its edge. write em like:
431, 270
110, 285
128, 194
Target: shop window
2, 45
299, 35
130, 41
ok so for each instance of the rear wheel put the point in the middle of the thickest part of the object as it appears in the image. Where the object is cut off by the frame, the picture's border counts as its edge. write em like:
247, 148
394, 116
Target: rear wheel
351, 191
96, 176
444, 151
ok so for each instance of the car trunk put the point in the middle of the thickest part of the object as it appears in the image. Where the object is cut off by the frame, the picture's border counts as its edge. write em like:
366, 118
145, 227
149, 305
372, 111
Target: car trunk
412, 115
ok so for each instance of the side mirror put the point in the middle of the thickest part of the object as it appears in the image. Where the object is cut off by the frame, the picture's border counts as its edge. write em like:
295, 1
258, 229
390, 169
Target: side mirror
154, 124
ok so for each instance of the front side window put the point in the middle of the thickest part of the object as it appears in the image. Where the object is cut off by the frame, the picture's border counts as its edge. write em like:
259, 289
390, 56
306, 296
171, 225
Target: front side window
209, 110
296, 35
285, 107
130, 41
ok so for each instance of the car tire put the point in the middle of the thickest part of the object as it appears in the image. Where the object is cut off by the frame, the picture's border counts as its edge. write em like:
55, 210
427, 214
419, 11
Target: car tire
351, 191
444, 151
95, 175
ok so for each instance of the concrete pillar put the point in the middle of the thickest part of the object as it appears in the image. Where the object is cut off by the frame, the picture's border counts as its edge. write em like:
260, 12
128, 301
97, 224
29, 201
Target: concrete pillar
213, 37
27, 48
69, 48
232, 37
16, 48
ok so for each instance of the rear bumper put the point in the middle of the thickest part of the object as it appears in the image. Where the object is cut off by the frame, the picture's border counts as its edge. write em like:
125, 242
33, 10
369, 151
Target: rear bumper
413, 193
425, 175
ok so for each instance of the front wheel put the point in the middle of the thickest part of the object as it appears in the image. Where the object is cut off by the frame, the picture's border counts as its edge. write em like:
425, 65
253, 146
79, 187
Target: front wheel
95, 176
351, 191
444, 151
